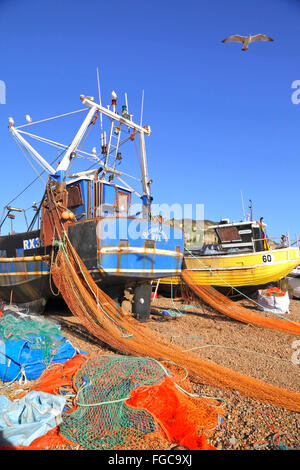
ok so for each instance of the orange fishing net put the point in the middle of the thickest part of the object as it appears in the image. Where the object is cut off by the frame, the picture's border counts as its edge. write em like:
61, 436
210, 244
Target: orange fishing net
274, 291
184, 420
227, 307
111, 324
60, 375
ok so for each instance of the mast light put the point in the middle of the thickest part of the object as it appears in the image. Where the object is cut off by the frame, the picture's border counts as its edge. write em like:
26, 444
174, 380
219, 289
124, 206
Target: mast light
113, 99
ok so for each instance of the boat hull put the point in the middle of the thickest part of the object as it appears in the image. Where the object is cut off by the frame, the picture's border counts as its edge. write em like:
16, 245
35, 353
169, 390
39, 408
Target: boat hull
115, 261
24, 270
124, 249
239, 270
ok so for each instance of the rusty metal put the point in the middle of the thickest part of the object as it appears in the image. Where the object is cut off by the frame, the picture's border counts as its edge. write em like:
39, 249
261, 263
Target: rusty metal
25, 258
74, 196
54, 205
95, 193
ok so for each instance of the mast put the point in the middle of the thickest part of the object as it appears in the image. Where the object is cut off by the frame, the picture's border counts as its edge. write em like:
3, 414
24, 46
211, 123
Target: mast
146, 200
243, 205
101, 121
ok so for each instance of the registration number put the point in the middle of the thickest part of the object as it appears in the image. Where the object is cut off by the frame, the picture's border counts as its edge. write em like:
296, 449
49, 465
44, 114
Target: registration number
267, 258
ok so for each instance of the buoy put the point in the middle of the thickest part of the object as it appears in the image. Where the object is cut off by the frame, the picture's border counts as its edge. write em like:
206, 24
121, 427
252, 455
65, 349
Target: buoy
67, 215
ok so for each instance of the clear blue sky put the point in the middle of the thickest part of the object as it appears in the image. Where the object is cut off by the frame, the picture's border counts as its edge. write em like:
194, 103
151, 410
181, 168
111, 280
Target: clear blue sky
222, 120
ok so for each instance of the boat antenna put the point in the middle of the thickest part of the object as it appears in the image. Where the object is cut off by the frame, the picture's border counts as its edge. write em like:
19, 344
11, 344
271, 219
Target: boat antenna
243, 205
251, 209
142, 108
99, 93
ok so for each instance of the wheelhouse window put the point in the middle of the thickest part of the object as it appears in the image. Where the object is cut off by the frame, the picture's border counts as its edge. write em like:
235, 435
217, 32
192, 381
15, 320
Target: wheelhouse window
229, 234
74, 196
122, 202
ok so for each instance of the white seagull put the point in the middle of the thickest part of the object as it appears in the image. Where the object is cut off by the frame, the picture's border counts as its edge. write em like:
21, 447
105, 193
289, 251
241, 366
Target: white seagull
246, 40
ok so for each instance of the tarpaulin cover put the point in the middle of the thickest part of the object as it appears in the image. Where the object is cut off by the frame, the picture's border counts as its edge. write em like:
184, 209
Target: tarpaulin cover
23, 356
22, 421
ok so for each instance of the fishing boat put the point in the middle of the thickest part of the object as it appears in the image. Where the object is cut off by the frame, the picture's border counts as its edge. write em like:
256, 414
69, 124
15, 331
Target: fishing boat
243, 258
121, 244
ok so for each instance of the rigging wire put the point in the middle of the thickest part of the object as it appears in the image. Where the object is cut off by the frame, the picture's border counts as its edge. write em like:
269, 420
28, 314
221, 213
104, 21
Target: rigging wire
32, 166
51, 118
80, 153
28, 186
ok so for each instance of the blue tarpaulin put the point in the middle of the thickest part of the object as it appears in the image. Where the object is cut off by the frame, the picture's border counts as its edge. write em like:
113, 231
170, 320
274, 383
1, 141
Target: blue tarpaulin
22, 358
24, 420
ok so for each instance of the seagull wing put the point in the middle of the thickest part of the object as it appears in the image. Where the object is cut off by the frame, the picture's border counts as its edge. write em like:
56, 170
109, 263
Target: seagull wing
261, 37
235, 38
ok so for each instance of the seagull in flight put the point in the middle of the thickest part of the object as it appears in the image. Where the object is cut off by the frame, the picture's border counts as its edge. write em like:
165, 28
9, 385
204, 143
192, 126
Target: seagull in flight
246, 40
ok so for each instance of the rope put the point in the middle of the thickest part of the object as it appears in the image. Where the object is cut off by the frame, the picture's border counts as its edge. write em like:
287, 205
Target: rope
32, 166
238, 349
51, 118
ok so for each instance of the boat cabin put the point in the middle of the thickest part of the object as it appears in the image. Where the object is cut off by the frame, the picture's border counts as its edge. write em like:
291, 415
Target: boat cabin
236, 237
90, 198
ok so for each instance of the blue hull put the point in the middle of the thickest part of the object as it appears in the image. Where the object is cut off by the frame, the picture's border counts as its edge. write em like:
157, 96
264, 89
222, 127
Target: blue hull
120, 251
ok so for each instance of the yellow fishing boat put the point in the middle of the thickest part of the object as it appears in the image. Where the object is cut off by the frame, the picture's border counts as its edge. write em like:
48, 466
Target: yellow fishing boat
242, 257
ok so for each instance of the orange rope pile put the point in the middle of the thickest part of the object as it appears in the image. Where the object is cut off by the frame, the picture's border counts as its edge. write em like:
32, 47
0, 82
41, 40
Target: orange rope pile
111, 324
227, 307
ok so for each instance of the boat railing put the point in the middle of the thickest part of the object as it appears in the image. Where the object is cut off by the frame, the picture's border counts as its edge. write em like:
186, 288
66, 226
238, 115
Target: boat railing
280, 241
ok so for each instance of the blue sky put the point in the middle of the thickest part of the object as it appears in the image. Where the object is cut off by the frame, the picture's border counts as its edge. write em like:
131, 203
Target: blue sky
222, 120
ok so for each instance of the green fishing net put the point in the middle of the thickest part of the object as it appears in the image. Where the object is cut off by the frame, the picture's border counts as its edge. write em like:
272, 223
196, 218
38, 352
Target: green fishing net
102, 420
41, 333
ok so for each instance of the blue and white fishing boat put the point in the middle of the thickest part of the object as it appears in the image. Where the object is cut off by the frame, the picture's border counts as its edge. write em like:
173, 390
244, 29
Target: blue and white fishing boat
124, 249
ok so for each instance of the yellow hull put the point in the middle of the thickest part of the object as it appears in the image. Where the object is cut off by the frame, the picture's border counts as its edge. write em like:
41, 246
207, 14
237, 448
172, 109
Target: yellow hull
250, 269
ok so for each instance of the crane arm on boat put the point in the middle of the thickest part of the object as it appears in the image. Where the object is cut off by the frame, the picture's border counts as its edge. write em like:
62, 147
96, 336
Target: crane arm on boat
64, 164
46, 166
